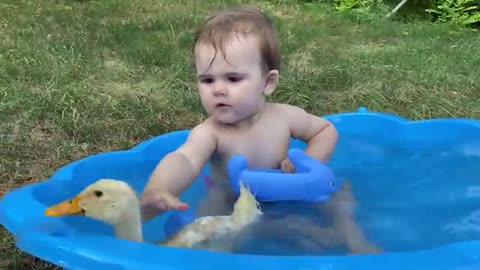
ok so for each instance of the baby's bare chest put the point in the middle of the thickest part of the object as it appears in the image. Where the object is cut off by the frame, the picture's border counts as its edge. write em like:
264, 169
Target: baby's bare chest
264, 146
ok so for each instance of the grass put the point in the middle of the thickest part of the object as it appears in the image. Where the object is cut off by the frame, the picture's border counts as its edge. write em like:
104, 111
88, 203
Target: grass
82, 77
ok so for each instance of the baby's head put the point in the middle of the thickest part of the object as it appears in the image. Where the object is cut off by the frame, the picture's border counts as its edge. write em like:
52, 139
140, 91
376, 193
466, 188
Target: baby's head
237, 61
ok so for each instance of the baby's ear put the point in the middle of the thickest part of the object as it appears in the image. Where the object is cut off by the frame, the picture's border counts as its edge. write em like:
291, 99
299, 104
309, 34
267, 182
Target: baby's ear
271, 82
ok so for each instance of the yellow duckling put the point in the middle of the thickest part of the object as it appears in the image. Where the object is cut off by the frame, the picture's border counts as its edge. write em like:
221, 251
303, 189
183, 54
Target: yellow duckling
116, 203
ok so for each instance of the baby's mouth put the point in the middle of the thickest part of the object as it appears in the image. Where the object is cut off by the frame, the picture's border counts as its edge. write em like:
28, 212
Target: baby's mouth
222, 105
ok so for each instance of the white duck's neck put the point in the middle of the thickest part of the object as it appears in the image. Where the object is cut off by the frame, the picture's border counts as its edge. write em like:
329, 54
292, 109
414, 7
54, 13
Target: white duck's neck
130, 228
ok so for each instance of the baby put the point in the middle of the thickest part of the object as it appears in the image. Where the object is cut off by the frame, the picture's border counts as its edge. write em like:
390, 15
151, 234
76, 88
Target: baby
237, 63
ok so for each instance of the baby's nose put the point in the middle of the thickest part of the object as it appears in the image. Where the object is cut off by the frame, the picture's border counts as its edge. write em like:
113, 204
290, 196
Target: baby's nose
219, 89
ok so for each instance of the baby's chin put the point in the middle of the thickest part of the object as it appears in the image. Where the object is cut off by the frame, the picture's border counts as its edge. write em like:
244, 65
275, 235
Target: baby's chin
230, 117
225, 120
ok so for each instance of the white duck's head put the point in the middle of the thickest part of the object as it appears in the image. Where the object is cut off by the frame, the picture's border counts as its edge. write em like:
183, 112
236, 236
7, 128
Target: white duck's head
110, 201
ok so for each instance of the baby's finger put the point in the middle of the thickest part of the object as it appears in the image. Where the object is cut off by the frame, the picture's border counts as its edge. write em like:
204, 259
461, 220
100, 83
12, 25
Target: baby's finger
172, 202
287, 166
182, 206
152, 205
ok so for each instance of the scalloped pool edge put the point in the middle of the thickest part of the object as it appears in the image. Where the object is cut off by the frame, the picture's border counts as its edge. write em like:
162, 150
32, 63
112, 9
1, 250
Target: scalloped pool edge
77, 252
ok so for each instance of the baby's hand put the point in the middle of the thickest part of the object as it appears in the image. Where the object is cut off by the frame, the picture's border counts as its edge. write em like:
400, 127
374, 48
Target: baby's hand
154, 204
287, 166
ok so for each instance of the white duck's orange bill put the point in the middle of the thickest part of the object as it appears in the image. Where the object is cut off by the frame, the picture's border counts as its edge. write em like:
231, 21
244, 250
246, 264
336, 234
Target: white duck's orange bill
70, 207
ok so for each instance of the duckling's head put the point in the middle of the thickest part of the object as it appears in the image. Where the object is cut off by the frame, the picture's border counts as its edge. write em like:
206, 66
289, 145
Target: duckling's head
108, 200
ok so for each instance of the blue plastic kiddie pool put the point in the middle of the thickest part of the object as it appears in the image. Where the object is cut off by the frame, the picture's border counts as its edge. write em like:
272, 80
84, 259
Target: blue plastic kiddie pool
417, 186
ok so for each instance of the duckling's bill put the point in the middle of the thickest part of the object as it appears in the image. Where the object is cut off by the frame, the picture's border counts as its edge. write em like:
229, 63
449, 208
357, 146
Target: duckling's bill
69, 207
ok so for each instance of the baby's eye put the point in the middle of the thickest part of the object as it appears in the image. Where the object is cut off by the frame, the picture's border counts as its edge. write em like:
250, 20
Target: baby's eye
234, 79
207, 80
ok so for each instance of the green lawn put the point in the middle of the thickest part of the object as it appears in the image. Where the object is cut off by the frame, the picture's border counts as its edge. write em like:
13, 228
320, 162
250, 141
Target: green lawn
82, 77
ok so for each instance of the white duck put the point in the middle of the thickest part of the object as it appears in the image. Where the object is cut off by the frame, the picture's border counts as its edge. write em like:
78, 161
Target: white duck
116, 203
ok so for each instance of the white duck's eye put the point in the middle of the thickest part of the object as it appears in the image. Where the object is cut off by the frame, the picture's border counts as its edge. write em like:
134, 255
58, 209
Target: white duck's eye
98, 193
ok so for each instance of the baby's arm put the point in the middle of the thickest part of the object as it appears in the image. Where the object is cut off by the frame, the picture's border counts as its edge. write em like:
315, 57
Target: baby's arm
178, 169
319, 133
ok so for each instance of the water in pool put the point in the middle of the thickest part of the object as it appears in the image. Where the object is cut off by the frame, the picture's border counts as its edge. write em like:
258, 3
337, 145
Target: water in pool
411, 197
408, 198
417, 196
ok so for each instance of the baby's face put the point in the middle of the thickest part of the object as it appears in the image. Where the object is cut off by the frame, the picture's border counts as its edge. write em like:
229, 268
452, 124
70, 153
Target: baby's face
232, 89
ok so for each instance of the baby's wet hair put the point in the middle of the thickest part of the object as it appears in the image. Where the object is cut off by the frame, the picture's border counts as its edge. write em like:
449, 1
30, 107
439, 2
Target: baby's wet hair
218, 29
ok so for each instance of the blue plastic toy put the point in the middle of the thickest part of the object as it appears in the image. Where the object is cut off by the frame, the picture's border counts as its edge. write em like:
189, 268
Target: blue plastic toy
368, 143
312, 181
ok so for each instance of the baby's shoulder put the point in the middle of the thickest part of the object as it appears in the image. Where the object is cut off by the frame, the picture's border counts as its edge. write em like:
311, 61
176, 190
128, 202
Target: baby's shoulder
285, 110
204, 129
